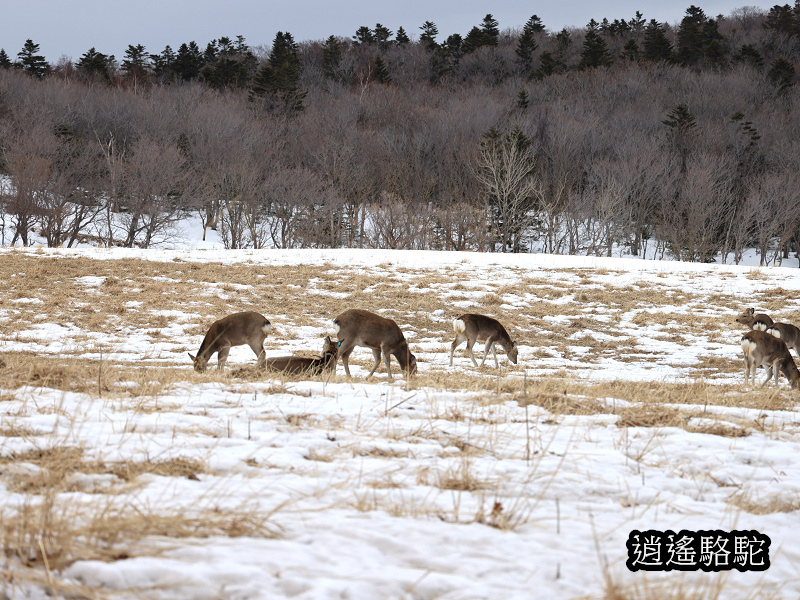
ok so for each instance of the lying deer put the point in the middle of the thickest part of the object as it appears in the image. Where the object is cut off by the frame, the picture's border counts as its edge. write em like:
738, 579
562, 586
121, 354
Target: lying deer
363, 328
783, 331
477, 328
750, 316
307, 366
237, 329
763, 349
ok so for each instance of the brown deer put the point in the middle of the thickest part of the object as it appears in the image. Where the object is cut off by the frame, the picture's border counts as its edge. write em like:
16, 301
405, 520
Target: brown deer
477, 328
763, 349
750, 316
787, 332
362, 328
307, 366
237, 329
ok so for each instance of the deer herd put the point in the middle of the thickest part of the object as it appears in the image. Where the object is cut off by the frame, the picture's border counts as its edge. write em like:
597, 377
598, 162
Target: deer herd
766, 345
353, 328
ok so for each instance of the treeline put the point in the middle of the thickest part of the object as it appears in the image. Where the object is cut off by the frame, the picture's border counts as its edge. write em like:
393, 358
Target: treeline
626, 134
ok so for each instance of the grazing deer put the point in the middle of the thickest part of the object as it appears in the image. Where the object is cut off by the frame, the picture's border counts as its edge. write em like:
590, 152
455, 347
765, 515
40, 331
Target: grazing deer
750, 316
762, 349
363, 328
477, 328
237, 329
308, 366
786, 332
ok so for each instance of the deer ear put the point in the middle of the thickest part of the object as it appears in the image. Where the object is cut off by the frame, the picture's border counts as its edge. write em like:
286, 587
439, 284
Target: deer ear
192, 357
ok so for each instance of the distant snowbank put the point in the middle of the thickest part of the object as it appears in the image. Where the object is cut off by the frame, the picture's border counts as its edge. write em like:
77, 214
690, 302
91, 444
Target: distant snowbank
418, 259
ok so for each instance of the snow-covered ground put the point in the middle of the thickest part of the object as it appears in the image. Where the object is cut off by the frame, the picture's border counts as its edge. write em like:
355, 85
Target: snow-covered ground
376, 489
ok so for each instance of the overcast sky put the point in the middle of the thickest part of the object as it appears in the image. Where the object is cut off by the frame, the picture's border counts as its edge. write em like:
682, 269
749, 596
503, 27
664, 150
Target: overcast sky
70, 27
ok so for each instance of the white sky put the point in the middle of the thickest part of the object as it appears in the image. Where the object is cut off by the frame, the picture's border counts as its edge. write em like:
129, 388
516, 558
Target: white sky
71, 27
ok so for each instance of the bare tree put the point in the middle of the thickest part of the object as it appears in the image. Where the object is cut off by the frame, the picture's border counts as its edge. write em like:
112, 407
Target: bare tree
505, 169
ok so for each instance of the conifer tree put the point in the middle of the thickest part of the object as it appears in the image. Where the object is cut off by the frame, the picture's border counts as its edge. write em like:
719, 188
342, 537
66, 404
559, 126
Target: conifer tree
523, 99
95, 64
656, 46
526, 45
381, 71
135, 61
680, 119
749, 55
533, 25
781, 73
595, 51
491, 30
5, 62
162, 64
548, 65
278, 81
402, 37
331, 58
31, 61
363, 36
382, 36
690, 36
428, 37
188, 62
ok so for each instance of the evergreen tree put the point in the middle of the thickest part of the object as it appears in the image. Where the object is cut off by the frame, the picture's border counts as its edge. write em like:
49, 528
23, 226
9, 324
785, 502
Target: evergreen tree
523, 99
363, 36
402, 37
631, 51
31, 61
680, 119
5, 62
491, 31
381, 71
331, 58
549, 65
278, 81
637, 24
162, 64
781, 73
472, 41
526, 45
428, 37
188, 62
95, 64
690, 36
749, 55
225, 64
135, 61
563, 42
382, 36
657, 46
595, 51
533, 25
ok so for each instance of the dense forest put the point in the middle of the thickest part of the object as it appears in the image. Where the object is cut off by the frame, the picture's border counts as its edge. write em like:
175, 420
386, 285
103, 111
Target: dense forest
632, 134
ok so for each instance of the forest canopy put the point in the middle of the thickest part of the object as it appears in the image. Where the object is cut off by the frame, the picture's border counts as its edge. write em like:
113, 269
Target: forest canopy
624, 134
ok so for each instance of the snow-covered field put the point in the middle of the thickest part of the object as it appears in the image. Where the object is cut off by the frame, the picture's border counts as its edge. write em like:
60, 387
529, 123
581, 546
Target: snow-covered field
627, 411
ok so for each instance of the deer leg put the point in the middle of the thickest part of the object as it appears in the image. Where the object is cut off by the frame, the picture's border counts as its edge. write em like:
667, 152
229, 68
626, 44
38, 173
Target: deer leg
770, 370
454, 345
222, 357
376, 354
344, 351
470, 344
259, 352
488, 347
494, 352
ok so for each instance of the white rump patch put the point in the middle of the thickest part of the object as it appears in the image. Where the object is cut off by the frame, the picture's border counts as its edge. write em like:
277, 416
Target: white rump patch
459, 326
